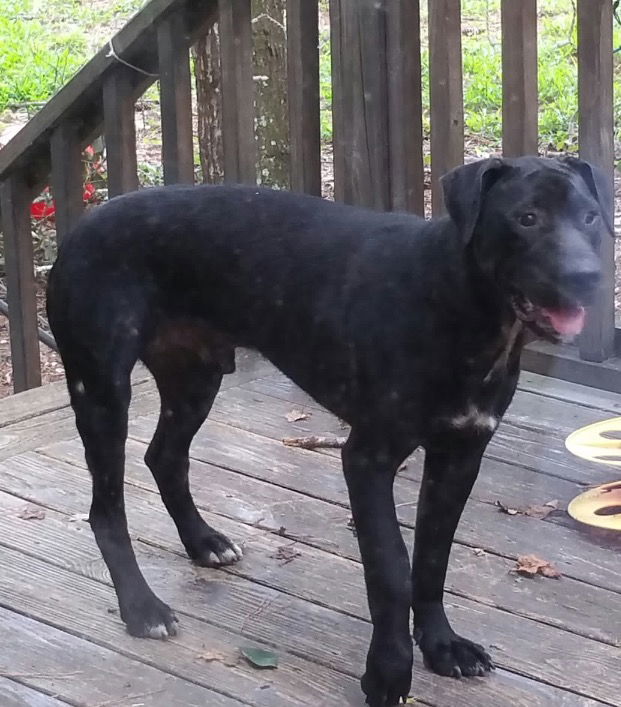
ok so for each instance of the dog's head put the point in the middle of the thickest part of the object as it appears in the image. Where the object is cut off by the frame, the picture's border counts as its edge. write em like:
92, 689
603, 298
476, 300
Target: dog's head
534, 226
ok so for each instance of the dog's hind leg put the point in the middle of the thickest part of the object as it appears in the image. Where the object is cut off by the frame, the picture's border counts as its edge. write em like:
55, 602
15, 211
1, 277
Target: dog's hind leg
187, 386
100, 392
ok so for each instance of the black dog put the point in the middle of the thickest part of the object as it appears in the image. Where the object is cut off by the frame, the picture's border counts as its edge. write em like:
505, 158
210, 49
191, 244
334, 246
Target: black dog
409, 330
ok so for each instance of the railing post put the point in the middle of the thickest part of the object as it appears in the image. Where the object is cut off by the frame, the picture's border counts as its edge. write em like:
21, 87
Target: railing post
303, 95
519, 78
238, 141
361, 147
67, 177
405, 106
18, 254
596, 129
120, 132
175, 101
376, 105
445, 93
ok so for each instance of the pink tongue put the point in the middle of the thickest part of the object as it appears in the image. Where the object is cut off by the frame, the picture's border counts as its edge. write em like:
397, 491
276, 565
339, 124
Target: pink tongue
568, 322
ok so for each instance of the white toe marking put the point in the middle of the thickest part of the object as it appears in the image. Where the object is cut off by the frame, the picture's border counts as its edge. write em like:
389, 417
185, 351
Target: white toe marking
238, 551
213, 558
158, 631
228, 556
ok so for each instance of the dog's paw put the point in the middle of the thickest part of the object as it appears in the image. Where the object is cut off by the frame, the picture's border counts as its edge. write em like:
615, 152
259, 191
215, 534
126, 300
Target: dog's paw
453, 656
388, 677
214, 550
149, 617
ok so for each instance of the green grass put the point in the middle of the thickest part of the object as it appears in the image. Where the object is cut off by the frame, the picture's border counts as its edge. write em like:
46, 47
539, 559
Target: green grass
44, 42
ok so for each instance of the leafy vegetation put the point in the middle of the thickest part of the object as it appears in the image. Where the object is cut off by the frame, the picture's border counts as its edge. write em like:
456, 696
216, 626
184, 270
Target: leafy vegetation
44, 42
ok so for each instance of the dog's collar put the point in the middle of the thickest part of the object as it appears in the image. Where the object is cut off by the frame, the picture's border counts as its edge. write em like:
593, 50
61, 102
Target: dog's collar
500, 364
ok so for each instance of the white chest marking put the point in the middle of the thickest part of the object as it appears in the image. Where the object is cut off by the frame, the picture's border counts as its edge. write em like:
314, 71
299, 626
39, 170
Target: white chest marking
474, 418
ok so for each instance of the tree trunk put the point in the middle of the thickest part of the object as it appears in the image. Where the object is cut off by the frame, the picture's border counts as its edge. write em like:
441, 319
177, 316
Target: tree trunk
270, 82
270, 74
206, 58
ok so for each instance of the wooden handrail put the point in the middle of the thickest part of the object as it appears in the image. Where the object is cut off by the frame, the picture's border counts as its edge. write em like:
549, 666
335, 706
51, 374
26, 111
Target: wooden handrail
81, 99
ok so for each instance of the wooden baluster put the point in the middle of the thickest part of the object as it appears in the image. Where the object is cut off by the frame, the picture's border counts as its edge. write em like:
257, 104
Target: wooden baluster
360, 108
445, 92
596, 129
15, 202
405, 109
519, 78
175, 101
67, 177
120, 132
238, 141
303, 95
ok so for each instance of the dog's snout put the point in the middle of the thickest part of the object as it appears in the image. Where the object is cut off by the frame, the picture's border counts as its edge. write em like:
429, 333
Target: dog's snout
584, 279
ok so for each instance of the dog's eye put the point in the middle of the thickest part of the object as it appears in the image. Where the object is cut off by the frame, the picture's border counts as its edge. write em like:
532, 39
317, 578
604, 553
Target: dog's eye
590, 218
528, 219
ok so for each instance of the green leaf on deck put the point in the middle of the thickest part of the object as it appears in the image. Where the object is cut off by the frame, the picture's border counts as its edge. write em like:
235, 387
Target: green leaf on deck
260, 658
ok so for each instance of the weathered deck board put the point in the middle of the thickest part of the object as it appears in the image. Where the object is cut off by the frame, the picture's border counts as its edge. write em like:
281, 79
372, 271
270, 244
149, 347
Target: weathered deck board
319, 476
79, 671
55, 590
256, 611
14, 694
311, 522
539, 445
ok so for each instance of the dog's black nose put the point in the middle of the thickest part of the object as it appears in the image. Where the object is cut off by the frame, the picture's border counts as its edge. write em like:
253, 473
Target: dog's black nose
581, 280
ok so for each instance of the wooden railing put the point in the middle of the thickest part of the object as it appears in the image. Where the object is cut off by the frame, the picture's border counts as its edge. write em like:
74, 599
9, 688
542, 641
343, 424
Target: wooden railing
377, 126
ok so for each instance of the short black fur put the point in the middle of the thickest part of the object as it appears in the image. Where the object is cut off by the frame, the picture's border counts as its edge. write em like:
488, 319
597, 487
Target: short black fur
409, 330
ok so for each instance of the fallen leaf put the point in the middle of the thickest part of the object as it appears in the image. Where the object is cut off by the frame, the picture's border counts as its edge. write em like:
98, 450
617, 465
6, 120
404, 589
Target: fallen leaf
260, 658
505, 509
403, 467
282, 530
286, 553
296, 416
210, 656
479, 552
533, 511
217, 657
32, 513
540, 512
531, 565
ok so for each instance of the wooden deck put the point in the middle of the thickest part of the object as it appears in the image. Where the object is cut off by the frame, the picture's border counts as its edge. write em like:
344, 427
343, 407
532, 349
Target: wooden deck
299, 590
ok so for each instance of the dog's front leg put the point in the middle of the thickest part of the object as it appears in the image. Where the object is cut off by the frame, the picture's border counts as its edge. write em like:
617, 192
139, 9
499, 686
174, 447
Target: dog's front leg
370, 468
450, 472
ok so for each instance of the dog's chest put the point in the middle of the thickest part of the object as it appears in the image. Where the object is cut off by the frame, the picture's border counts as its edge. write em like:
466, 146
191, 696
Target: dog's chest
473, 416
478, 400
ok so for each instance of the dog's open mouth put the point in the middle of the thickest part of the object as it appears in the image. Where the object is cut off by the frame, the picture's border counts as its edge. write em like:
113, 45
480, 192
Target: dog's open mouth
556, 323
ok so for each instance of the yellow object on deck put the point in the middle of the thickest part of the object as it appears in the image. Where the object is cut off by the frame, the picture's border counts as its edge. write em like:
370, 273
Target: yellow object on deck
601, 443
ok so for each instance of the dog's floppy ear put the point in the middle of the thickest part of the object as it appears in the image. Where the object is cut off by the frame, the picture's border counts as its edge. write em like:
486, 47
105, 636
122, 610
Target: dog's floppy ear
599, 184
464, 188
